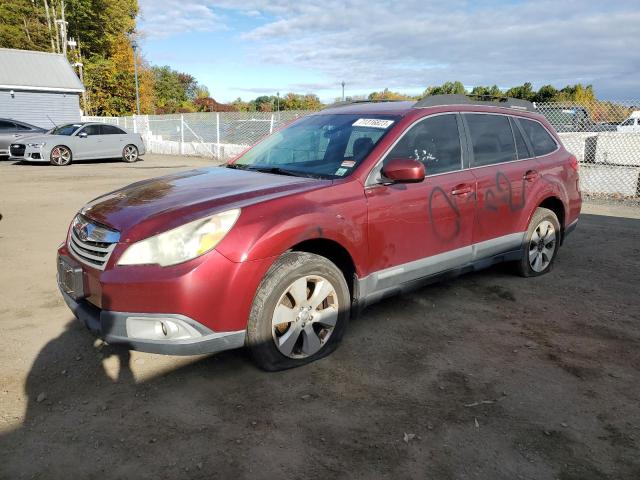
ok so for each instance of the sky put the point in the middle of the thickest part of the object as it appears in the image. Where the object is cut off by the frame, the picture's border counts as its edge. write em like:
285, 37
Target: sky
249, 48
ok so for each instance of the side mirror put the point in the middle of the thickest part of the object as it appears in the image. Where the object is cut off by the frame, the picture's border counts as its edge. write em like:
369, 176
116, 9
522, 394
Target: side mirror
404, 170
83, 135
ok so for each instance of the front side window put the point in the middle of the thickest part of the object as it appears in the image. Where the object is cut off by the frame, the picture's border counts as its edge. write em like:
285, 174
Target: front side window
491, 138
67, 130
91, 130
542, 142
324, 146
435, 142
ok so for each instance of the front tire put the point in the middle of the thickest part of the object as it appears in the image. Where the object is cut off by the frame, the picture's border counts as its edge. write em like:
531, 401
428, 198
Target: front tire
541, 244
299, 313
60, 156
130, 154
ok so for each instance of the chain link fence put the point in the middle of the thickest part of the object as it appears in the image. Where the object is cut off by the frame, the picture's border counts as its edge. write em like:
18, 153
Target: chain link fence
604, 136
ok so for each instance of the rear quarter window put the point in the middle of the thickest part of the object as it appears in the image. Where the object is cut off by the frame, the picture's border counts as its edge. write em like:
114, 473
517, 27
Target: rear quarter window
542, 142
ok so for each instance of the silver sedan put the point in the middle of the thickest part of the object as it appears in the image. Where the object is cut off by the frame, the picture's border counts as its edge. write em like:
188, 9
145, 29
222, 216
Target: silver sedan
79, 141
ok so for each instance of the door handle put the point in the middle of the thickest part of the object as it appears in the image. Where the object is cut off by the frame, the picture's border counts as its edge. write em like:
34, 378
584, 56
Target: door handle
530, 176
462, 189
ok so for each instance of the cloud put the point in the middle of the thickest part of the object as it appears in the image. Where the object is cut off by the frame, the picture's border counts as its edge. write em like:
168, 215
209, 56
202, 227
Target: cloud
415, 43
166, 18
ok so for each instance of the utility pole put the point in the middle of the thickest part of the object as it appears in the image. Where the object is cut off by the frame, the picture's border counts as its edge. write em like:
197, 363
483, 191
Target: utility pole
134, 46
342, 91
278, 102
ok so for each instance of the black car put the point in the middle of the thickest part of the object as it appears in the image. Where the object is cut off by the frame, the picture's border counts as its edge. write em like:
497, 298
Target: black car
10, 130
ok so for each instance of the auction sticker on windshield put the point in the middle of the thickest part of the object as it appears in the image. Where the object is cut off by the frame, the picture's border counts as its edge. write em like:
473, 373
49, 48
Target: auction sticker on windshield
372, 122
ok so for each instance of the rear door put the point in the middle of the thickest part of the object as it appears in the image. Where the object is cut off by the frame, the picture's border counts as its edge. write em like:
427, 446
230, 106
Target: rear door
505, 170
114, 140
419, 229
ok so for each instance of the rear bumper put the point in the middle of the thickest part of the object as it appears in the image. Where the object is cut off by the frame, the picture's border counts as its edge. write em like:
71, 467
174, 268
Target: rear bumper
112, 327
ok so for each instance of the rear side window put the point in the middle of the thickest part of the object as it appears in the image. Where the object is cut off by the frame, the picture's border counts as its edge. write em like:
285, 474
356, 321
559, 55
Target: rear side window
491, 138
542, 142
435, 142
22, 127
521, 145
110, 130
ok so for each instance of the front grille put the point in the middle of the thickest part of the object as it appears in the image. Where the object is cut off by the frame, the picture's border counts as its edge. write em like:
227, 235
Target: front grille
17, 150
90, 243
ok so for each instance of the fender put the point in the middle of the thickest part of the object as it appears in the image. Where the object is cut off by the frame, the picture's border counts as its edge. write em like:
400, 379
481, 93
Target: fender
297, 218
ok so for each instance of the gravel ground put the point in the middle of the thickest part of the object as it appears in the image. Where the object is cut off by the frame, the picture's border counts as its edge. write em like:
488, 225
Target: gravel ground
488, 376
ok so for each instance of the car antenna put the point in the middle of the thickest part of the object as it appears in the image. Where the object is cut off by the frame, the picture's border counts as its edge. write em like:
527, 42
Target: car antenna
55, 125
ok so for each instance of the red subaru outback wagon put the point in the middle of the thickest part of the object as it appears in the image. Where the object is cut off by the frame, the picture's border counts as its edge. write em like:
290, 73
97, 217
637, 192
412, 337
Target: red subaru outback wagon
276, 250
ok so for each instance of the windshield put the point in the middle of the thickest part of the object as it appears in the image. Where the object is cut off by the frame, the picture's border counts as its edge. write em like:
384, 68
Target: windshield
65, 129
324, 146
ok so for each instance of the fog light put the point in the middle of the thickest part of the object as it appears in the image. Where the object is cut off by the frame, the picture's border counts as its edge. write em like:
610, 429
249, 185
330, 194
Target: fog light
159, 328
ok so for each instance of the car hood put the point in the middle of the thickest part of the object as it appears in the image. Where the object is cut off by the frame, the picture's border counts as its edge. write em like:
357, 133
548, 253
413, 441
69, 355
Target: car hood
33, 138
159, 204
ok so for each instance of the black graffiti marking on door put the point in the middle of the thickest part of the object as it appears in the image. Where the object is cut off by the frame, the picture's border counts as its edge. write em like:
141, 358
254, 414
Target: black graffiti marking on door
504, 194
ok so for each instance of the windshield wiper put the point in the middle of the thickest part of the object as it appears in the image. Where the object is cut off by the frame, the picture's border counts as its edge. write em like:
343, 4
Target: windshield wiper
279, 171
235, 166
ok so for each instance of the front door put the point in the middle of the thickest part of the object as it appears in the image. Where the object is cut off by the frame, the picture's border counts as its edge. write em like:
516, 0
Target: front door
419, 229
88, 147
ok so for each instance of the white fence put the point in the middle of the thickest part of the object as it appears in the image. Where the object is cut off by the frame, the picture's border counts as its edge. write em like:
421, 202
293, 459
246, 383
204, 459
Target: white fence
608, 151
220, 135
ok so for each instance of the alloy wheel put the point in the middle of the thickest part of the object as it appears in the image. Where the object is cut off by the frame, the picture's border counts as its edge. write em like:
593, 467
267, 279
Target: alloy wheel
130, 153
305, 316
542, 246
61, 156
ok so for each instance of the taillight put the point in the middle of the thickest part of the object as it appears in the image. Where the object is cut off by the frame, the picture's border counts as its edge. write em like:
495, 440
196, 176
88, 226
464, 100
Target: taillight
573, 162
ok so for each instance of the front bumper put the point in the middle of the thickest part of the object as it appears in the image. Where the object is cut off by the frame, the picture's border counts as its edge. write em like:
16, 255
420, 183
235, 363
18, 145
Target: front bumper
31, 154
112, 327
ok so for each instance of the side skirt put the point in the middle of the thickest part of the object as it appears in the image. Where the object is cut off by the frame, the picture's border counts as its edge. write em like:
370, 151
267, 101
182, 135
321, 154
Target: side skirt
365, 298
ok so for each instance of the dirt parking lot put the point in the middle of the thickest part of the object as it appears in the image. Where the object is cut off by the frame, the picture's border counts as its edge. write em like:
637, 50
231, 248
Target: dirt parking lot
488, 376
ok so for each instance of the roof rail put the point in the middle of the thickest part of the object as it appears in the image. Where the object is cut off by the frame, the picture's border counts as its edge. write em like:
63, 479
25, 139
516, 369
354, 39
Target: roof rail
345, 103
484, 100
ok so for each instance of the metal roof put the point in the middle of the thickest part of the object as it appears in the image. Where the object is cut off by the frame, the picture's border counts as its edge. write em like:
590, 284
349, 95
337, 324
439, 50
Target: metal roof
43, 71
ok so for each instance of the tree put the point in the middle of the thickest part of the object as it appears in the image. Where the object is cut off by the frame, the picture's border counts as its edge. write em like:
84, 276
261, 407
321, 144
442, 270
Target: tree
447, 88
387, 94
23, 25
546, 93
523, 92
492, 91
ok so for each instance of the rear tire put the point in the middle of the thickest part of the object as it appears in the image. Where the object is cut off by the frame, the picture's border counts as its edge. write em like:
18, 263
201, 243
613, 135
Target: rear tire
130, 154
300, 312
60, 156
541, 244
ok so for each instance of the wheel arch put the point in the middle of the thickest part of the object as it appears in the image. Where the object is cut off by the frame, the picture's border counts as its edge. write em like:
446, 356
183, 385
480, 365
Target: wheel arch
556, 205
333, 251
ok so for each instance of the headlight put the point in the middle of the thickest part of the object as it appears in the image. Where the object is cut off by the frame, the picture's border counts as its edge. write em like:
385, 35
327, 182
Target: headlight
36, 145
182, 243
